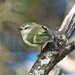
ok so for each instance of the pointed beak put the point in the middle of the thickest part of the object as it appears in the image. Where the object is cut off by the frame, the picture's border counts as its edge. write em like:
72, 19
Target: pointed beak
20, 29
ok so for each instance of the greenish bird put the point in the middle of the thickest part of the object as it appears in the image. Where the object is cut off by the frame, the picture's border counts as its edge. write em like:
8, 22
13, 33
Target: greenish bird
34, 34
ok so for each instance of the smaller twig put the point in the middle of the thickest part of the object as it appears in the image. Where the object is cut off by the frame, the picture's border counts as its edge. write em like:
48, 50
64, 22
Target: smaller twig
71, 28
67, 20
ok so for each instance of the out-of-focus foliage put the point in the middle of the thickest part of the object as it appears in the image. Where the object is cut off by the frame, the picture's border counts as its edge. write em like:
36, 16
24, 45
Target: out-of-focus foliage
14, 53
41, 11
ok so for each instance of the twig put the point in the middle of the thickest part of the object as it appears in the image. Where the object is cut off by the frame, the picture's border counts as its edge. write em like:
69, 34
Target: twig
66, 22
55, 51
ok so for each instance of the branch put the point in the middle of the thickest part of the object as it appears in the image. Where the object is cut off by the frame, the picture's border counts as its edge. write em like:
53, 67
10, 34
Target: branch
55, 51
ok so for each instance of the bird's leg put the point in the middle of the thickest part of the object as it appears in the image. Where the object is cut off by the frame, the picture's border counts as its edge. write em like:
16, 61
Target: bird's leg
42, 47
40, 50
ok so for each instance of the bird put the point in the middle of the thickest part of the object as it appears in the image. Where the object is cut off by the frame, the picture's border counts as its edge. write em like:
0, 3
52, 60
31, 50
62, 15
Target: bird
34, 34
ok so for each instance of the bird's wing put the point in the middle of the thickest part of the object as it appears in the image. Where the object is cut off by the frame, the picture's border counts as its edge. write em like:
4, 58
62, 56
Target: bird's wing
40, 37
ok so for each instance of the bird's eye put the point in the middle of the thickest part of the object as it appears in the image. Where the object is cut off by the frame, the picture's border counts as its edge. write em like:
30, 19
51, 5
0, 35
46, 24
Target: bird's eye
27, 28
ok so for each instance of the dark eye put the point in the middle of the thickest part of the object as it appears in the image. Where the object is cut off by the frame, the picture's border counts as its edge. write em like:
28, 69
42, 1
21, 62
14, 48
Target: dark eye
27, 28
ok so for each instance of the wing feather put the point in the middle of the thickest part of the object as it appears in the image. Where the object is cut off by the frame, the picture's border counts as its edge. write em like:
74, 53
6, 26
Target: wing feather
40, 37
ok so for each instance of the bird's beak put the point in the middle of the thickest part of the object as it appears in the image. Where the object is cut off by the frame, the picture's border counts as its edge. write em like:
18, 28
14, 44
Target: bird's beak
20, 29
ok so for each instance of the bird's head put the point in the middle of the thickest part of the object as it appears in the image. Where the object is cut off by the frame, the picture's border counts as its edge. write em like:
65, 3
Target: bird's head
26, 28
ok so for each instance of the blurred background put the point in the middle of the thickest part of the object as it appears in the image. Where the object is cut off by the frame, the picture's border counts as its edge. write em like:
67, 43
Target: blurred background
16, 58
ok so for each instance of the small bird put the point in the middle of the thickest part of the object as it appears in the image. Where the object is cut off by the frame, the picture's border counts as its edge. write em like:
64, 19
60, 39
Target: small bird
34, 34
